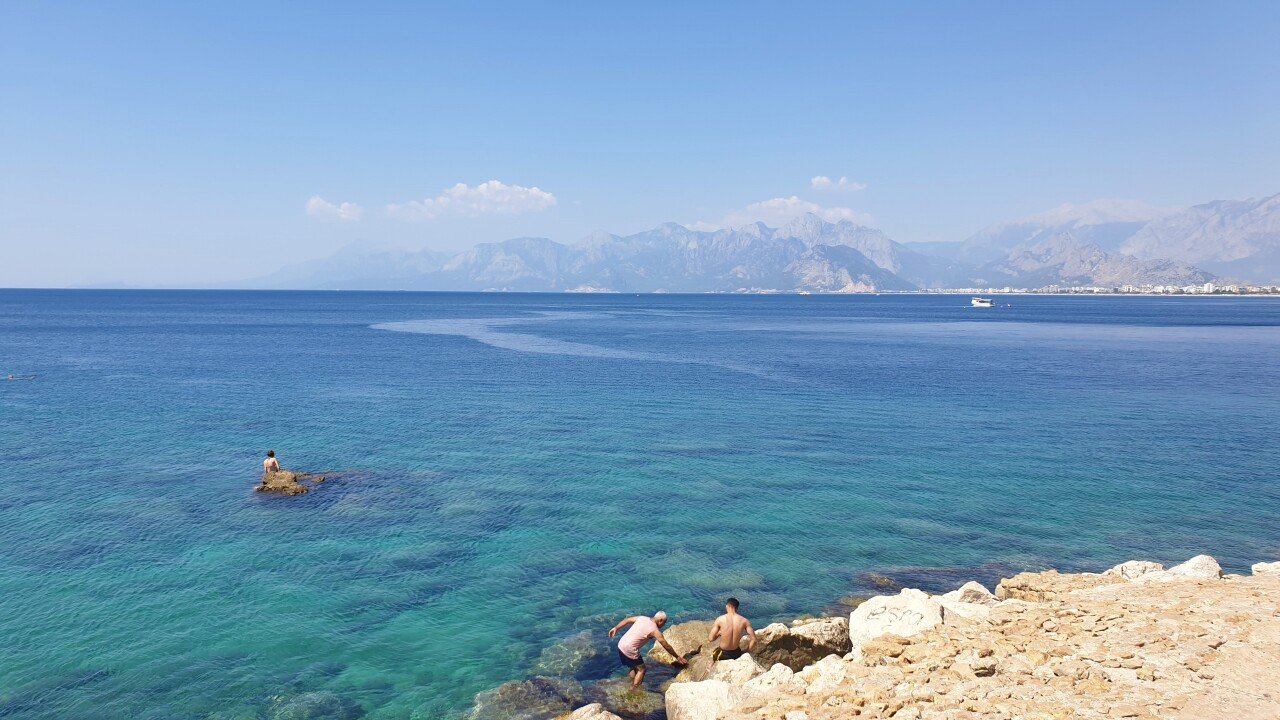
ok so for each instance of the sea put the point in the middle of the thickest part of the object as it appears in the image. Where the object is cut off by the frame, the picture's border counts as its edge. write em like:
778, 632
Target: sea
514, 473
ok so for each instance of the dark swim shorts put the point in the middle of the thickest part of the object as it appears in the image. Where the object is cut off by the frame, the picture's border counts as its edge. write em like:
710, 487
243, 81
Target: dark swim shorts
633, 663
722, 654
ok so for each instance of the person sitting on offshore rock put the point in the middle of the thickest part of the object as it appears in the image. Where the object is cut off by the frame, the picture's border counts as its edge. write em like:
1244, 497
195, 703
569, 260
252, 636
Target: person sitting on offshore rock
271, 464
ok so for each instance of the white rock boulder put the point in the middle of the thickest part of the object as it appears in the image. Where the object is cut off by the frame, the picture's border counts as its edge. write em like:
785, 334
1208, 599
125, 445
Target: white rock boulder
971, 602
972, 592
735, 672
1200, 567
824, 675
908, 613
778, 679
1134, 569
1271, 568
594, 711
829, 632
706, 700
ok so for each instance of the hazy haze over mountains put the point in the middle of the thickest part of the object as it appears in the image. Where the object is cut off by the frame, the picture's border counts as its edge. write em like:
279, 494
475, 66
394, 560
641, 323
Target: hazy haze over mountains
1106, 223
1106, 243
1233, 238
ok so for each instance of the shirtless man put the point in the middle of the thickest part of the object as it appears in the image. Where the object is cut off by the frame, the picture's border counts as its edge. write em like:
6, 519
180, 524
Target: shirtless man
729, 628
633, 641
271, 464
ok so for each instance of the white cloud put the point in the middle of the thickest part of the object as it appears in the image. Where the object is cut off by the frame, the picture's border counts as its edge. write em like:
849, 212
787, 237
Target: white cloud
823, 183
489, 198
319, 207
779, 211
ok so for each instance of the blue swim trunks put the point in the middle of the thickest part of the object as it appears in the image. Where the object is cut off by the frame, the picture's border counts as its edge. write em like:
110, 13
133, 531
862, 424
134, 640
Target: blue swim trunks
632, 663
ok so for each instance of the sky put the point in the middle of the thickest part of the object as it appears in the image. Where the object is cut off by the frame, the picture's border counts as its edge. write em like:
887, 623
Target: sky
181, 144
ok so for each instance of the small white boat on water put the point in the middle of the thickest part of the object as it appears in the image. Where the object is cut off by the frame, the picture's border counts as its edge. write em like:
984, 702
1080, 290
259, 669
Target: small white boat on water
982, 302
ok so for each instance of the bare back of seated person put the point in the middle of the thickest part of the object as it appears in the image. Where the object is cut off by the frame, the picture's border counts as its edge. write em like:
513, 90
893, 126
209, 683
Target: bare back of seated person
271, 464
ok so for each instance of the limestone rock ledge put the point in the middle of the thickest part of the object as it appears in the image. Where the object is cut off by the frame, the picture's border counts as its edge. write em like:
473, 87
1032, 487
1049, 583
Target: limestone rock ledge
1136, 641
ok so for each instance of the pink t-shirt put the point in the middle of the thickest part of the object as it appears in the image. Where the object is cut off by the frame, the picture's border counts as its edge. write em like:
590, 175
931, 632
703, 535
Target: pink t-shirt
632, 640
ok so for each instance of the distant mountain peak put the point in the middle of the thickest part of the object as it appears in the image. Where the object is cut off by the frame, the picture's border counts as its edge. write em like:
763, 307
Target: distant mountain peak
1064, 259
1100, 212
812, 224
673, 228
596, 237
806, 223
1063, 242
1235, 238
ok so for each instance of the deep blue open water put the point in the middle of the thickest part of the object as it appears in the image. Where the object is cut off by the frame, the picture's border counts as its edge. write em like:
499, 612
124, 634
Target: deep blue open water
533, 466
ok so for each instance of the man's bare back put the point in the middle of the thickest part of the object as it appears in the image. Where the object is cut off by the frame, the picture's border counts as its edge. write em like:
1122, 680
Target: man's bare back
729, 629
271, 464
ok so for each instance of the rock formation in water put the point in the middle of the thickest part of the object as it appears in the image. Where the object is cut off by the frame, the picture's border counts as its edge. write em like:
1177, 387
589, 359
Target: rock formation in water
287, 482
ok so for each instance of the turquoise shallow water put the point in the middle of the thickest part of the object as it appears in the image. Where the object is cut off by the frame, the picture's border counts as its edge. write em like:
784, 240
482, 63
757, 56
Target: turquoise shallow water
535, 466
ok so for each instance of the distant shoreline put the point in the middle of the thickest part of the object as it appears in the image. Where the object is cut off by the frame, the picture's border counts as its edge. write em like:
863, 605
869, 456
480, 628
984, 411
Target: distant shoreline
1001, 293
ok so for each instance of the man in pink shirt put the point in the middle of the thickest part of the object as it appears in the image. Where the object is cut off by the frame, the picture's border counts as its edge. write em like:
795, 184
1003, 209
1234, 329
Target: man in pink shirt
643, 629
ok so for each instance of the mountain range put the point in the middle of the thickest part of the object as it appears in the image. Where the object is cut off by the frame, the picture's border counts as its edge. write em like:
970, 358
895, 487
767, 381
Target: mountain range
1106, 243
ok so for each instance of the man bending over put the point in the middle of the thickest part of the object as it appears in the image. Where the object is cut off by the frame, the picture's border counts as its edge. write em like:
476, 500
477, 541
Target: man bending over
643, 629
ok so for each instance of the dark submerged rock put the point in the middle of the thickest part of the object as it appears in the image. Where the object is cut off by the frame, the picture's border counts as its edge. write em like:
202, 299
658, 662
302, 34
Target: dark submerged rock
618, 697
586, 656
539, 698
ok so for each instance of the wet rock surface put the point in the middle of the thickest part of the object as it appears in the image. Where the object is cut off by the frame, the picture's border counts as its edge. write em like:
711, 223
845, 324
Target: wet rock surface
618, 697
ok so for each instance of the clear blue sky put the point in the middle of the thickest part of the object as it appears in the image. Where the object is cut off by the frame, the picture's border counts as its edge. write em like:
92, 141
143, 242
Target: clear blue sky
181, 143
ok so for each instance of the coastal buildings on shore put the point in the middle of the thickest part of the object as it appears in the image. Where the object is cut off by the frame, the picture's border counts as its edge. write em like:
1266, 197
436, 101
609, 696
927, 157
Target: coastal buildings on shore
1208, 288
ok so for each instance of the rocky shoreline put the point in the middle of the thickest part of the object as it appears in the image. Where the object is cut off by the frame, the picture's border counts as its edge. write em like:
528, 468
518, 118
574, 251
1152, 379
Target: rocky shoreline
1135, 641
